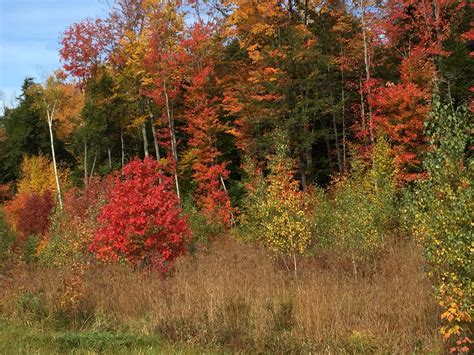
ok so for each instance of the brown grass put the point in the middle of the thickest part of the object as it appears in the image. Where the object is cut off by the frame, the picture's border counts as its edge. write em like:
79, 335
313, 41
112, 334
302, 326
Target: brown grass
235, 296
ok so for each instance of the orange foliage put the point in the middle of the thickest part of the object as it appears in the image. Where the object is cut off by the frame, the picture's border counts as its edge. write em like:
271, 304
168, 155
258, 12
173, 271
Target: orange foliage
401, 110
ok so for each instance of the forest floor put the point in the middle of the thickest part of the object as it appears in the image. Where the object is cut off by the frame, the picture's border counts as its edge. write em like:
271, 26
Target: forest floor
228, 297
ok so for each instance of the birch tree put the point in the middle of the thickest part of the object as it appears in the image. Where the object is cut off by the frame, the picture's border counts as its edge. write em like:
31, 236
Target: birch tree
52, 99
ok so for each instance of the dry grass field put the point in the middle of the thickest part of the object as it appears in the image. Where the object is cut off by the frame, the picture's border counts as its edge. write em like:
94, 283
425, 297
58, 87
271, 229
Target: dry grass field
234, 297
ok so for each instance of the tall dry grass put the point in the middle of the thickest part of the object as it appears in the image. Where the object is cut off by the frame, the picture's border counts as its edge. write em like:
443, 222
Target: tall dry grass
237, 297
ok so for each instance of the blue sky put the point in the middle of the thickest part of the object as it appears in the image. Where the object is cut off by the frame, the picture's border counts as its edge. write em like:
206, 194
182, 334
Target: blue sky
29, 36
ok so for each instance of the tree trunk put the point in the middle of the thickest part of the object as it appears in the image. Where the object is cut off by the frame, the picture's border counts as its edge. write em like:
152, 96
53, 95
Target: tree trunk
143, 128
232, 219
367, 67
362, 104
354, 265
109, 152
155, 140
336, 138
93, 164
343, 102
145, 139
174, 150
122, 148
85, 161
294, 266
306, 12
328, 144
303, 172
309, 163
50, 125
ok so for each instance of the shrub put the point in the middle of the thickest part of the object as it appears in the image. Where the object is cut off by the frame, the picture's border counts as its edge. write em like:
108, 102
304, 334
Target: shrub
12, 209
7, 239
203, 229
28, 216
351, 225
72, 229
34, 217
383, 178
36, 180
6, 192
274, 209
28, 248
141, 221
440, 218
67, 241
359, 212
84, 203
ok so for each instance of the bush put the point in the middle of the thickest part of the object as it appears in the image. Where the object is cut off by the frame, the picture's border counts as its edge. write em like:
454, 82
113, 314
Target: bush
29, 217
203, 229
6, 192
7, 239
359, 212
12, 209
274, 210
141, 221
28, 248
34, 217
67, 241
439, 215
72, 229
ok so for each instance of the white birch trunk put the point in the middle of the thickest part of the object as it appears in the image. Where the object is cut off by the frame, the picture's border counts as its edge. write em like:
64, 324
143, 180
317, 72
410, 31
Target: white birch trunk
367, 67
50, 114
174, 150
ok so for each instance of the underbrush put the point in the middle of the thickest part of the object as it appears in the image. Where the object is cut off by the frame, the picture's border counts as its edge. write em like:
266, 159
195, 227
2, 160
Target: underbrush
234, 296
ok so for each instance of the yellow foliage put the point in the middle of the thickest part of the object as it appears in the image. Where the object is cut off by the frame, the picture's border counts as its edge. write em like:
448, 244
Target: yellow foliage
275, 212
37, 175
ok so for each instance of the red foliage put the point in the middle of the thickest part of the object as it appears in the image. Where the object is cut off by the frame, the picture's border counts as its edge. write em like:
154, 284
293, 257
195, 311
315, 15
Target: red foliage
84, 46
12, 209
425, 24
203, 126
5, 192
142, 221
34, 216
417, 31
78, 202
400, 110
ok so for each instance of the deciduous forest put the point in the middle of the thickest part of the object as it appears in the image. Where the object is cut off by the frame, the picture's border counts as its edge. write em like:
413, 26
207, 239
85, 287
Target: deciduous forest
244, 176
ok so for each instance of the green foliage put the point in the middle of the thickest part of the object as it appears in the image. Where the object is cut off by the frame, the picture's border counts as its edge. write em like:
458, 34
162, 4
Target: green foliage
31, 306
28, 249
204, 230
439, 214
360, 211
7, 239
30, 339
382, 177
67, 240
25, 133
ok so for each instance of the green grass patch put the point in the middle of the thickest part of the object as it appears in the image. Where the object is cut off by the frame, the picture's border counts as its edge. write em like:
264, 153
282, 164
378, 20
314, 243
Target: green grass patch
17, 338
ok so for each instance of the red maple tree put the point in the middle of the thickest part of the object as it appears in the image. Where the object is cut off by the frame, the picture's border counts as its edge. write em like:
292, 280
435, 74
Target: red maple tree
142, 221
203, 127
84, 45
